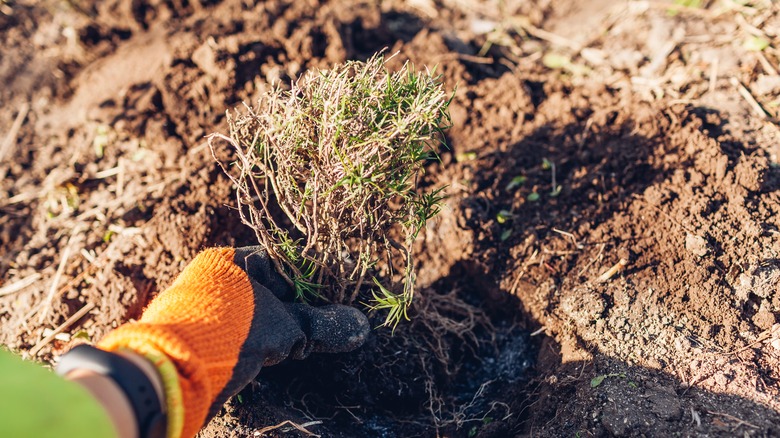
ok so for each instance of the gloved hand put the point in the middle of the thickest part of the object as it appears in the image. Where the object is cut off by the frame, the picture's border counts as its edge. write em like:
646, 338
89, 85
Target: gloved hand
222, 320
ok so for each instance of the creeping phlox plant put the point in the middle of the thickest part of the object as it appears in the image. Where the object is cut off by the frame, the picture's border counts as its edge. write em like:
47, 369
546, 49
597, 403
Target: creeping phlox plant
327, 176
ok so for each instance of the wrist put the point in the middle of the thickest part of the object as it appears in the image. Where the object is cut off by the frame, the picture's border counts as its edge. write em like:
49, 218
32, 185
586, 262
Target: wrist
148, 368
107, 374
111, 397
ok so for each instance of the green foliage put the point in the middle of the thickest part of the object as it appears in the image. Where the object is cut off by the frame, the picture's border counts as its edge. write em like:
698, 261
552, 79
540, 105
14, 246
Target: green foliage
503, 216
341, 154
516, 183
598, 380
394, 304
688, 3
681, 4
756, 44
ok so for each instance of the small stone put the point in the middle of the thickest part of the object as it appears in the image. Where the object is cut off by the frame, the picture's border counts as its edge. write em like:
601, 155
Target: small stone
205, 58
696, 245
761, 281
764, 319
766, 85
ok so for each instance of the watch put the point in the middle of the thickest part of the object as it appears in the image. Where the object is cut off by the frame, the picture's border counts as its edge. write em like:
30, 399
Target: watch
147, 407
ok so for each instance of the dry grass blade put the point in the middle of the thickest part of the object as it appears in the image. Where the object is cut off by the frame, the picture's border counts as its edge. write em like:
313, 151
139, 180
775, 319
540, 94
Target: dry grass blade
340, 154
19, 285
46, 305
10, 138
75, 317
745, 93
299, 427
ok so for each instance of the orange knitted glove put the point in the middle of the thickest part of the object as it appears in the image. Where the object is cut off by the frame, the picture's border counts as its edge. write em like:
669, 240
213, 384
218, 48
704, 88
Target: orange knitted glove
219, 323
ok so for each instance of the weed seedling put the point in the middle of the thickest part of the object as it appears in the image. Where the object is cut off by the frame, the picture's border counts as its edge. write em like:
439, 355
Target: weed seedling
516, 183
598, 380
549, 165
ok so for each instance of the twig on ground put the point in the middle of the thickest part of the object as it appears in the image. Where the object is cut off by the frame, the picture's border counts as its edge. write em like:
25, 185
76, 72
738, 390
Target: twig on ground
118, 202
593, 260
300, 427
120, 179
763, 336
695, 417
660, 59
19, 285
466, 57
713, 75
68, 322
526, 264
103, 174
46, 304
740, 422
641, 6
747, 27
570, 236
609, 273
768, 67
745, 93
88, 256
550, 37
539, 332
10, 138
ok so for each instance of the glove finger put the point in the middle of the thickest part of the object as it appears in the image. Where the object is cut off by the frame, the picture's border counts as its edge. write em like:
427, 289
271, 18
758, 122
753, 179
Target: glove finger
330, 329
254, 260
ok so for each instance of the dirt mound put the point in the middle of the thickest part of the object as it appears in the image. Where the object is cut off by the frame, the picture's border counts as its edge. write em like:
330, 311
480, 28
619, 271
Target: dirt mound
574, 149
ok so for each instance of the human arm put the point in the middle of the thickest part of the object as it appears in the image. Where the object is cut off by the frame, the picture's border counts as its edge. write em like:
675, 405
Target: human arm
225, 317
34, 402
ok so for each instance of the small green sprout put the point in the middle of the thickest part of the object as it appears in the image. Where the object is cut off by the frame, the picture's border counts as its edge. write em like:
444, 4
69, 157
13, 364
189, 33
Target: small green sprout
466, 156
101, 140
506, 234
688, 3
397, 308
556, 61
683, 4
516, 182
598, 380
756, 44
533, 196
81, 334
549, 165
108, 235
474, 429
503, 216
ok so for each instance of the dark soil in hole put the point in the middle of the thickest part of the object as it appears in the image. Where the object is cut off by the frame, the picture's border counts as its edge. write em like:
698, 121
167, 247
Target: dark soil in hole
656, 162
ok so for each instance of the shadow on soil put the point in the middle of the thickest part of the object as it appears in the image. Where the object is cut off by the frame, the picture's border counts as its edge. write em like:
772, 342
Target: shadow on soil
497, 380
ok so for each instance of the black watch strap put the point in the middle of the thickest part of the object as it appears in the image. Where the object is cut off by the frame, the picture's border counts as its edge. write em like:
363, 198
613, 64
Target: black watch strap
152, 422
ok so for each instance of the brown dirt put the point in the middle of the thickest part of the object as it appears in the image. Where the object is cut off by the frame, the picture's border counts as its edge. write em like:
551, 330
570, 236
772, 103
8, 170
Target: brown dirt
109, 190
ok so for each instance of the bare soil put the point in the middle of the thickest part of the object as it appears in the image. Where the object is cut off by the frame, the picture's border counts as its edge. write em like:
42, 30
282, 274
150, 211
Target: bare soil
586, 135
